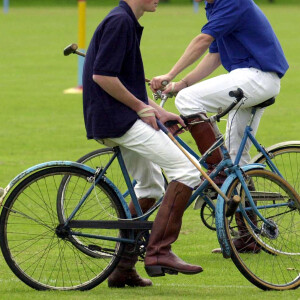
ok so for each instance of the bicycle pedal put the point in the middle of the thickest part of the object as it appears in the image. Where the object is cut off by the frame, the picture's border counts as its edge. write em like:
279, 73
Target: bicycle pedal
211, 193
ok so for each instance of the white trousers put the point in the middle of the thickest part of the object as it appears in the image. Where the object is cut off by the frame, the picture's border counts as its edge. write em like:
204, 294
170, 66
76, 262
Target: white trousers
145, 152
209, 95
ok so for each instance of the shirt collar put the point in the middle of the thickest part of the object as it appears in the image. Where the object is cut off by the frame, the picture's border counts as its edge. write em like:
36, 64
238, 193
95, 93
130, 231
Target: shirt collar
128, 9
209, 5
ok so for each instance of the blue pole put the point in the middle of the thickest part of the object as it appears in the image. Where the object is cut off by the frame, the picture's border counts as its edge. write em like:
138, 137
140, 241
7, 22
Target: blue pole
5, 6
196, 6
80, 68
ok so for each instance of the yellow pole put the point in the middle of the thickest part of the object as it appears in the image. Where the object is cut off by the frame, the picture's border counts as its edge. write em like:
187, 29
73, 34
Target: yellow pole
81, 46
81, 23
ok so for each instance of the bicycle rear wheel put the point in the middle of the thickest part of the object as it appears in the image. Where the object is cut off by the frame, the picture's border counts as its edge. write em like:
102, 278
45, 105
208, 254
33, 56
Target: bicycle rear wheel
271, 259
42, 255
99, 158
287, 160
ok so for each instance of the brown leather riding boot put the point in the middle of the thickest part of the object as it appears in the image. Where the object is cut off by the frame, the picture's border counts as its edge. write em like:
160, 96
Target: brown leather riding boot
165, 230
204, 136
125, 272
246, 243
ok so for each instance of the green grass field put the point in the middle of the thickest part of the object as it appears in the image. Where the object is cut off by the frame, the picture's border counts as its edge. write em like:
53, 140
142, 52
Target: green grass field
39, 123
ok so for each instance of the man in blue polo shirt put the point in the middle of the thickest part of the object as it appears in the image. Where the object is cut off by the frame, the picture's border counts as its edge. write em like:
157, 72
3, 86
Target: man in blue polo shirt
239, 37
117, 110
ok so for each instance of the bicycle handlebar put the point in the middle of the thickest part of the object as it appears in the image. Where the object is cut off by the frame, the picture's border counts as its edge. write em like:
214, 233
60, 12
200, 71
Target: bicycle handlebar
237, 94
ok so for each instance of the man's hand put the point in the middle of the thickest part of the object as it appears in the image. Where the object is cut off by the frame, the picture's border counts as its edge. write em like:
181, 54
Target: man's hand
149, 114
156, 83
174, 87
168, 116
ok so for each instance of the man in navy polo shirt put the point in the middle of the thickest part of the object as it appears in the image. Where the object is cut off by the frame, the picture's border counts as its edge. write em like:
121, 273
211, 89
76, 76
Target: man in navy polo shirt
239, 37
117, 110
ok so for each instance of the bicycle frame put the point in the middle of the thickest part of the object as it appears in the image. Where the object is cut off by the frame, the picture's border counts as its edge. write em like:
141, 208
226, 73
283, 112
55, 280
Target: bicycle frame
141, 218
248, 135
233, 171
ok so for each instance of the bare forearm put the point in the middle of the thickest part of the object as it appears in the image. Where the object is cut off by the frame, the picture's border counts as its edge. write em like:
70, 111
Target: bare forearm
193, 52
114, 87
156, 106
208, 64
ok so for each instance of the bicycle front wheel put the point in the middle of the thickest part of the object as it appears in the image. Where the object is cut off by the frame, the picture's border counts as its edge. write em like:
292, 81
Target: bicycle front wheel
268, 256
287, 160
33, 244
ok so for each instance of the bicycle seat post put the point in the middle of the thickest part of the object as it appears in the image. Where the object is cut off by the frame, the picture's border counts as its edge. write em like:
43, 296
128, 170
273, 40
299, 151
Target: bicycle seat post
253, 112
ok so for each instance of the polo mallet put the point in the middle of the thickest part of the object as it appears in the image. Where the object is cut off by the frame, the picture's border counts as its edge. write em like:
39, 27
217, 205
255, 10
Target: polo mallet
232, 203
72, 49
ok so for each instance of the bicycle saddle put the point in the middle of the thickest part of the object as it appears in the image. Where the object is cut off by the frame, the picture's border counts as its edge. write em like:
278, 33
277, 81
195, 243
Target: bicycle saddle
265, 103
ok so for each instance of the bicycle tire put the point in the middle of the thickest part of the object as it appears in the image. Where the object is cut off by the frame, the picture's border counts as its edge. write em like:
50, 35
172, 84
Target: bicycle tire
287, 160
207, 215
99, 158
34, 248
274, 261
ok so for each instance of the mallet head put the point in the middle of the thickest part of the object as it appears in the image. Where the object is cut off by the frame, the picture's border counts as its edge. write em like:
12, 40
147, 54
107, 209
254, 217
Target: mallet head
70, 49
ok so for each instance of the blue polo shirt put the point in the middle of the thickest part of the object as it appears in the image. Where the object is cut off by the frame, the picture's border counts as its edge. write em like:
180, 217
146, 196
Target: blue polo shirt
243, 36
113, 51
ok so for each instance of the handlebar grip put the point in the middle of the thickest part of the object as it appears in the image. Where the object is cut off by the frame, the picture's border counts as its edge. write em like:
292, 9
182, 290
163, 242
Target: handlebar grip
238, 94
171, 123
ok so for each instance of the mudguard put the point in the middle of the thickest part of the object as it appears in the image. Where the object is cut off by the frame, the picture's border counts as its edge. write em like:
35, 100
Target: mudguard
50, 164
276, 147
220, 225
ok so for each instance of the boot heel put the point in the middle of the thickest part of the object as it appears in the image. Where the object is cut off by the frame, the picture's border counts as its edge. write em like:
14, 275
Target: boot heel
154, 271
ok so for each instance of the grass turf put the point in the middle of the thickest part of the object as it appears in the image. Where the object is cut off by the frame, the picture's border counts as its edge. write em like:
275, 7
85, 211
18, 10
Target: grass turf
38, 123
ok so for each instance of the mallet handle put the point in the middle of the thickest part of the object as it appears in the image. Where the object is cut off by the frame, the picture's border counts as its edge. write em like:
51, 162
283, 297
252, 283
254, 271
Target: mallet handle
216, 188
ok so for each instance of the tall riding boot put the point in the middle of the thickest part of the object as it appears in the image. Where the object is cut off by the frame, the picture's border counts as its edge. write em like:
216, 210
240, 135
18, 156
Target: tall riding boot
204, 137
165, 230
125, 272
245, 243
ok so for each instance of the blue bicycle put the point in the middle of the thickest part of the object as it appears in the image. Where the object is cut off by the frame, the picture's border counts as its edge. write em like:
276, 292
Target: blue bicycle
64, 225
282, 159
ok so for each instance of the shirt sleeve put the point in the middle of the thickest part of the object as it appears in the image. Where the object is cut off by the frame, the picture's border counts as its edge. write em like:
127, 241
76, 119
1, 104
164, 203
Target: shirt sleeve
112, 48
223, 18
213, 48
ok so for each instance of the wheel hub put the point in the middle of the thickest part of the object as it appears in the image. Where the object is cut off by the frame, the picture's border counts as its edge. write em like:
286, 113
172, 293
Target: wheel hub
62, 232
270, 232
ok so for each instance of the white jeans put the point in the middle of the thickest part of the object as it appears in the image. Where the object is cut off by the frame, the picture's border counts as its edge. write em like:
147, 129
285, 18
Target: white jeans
209, 95
145, 152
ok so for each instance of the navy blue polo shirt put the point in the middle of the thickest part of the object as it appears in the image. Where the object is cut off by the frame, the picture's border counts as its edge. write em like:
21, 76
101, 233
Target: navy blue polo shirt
243, 36
113, 51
